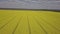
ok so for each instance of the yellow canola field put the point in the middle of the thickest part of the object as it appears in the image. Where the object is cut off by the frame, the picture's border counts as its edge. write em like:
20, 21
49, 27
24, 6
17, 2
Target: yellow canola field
29, 22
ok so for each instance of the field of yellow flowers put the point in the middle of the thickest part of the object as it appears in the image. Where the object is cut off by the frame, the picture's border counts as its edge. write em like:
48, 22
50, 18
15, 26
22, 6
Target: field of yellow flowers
29, 22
